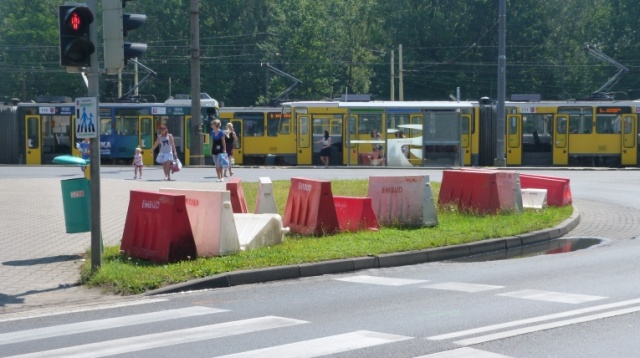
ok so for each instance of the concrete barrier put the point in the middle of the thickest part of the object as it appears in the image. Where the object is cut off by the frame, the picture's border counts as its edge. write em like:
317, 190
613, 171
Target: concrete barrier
404, 200
238, 202
256, 230
534, 198
157, 228
212, 221
355, 214
310, 208
265, 201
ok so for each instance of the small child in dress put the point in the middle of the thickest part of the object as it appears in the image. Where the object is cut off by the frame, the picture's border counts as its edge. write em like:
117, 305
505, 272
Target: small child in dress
137, 163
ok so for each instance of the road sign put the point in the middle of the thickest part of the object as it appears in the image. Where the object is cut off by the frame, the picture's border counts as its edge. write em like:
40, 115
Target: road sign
86, 117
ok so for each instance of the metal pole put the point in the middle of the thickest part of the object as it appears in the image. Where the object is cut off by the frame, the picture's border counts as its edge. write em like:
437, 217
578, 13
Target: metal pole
393, 75
500, 160
400, 81
197, 146
94, 145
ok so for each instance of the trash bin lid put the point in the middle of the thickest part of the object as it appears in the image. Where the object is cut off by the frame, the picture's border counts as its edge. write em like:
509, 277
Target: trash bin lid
70, 160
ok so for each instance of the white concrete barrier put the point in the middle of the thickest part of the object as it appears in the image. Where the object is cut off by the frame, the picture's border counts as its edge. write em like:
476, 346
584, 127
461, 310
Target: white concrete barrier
265, 201
255, 230
212, 221
405, 200
534, 198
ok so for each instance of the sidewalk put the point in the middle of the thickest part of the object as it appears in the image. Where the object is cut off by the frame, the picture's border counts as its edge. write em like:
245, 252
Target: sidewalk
39, 261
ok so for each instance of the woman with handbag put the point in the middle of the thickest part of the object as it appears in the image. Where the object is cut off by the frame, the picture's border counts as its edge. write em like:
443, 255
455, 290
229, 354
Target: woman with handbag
218, 147
229, 140
167, 151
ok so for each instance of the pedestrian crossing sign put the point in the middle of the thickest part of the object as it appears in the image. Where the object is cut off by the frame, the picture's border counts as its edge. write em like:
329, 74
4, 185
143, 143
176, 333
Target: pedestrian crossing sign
86, 117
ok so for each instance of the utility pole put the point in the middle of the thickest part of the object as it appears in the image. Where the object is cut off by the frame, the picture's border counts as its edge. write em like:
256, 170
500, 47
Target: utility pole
400, 81
500, 160
195, 129
393, 76
94, 147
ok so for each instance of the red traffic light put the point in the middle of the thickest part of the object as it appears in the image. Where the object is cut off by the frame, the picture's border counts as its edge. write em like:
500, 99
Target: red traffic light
78, 18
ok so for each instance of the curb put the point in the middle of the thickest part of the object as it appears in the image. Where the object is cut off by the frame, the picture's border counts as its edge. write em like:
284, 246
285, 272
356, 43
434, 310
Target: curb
262, 275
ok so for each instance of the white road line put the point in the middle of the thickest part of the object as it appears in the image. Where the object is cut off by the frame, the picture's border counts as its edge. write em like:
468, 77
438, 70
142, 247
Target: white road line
462, 287
552, 296
465, 352
323, 346
546, 326
376, 280
157, 340
47, 312
108, 323
521, 322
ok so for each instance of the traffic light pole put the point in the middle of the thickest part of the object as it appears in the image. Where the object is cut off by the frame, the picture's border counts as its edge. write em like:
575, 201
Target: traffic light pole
94, 91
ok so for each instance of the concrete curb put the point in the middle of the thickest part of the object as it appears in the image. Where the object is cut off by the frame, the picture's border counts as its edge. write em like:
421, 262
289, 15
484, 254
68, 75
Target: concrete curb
362, 263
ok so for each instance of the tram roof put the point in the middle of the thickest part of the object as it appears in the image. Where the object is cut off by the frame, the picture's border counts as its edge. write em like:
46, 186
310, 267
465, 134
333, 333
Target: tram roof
406, 104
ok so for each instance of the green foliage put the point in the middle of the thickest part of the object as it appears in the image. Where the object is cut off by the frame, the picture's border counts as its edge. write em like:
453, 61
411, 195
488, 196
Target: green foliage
124, 275
335, 46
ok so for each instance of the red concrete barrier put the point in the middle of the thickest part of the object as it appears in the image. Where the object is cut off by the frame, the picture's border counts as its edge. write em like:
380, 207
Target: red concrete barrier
480, 191
157, 228
238, 202
310, 208
402, 200
355, 214
558, 189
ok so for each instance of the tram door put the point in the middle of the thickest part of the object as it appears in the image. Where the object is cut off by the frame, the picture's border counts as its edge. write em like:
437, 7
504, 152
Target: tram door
629, 143
514, 139
146, 138
238, 146
33, 140
561, 139
303, 135
350, 152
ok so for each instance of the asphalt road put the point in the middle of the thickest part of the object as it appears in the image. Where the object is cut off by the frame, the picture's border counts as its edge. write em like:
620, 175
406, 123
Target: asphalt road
577, 304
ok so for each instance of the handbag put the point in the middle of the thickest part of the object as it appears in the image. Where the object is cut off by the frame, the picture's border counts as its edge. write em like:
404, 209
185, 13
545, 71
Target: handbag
224, 160
177, 165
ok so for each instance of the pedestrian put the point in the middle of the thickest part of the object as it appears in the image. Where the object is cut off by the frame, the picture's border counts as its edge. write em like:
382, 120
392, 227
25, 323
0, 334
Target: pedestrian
325, 150
167, 151
378, 152
218, 147
230, 139
137, 163
85, 150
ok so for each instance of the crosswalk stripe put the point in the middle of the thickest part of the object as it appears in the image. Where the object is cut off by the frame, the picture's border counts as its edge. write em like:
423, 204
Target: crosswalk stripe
164, 339
323, 346
462, 287
96, 325
56, 311
521, 322
464, 352
551, 296
545, 326
377, 280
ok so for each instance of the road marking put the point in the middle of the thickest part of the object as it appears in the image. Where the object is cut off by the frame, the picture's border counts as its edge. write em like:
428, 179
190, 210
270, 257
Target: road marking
521, 322
164, 339
552, 296
47, 312
323, 346
462, 287
543, 327
96, 325
465, 352
377, 280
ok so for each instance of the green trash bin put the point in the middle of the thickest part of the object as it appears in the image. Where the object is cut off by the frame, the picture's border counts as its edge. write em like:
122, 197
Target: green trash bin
76, 200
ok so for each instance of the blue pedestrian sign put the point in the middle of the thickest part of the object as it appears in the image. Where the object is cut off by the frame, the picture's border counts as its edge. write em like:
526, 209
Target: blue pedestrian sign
86, 117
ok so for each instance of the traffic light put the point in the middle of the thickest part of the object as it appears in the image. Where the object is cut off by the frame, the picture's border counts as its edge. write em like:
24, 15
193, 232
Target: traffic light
75, 40
116, 25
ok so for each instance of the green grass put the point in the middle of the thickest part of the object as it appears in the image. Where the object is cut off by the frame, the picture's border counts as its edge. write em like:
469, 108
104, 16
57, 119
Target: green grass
124, 275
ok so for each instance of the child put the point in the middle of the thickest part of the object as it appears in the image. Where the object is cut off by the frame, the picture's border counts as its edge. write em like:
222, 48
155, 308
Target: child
137, 163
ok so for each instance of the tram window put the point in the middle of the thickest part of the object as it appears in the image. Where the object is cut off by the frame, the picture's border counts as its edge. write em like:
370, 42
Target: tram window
369, 123
608, 124
336, 128
561, 127
273, 121
253, 127
320, 125
105, 126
